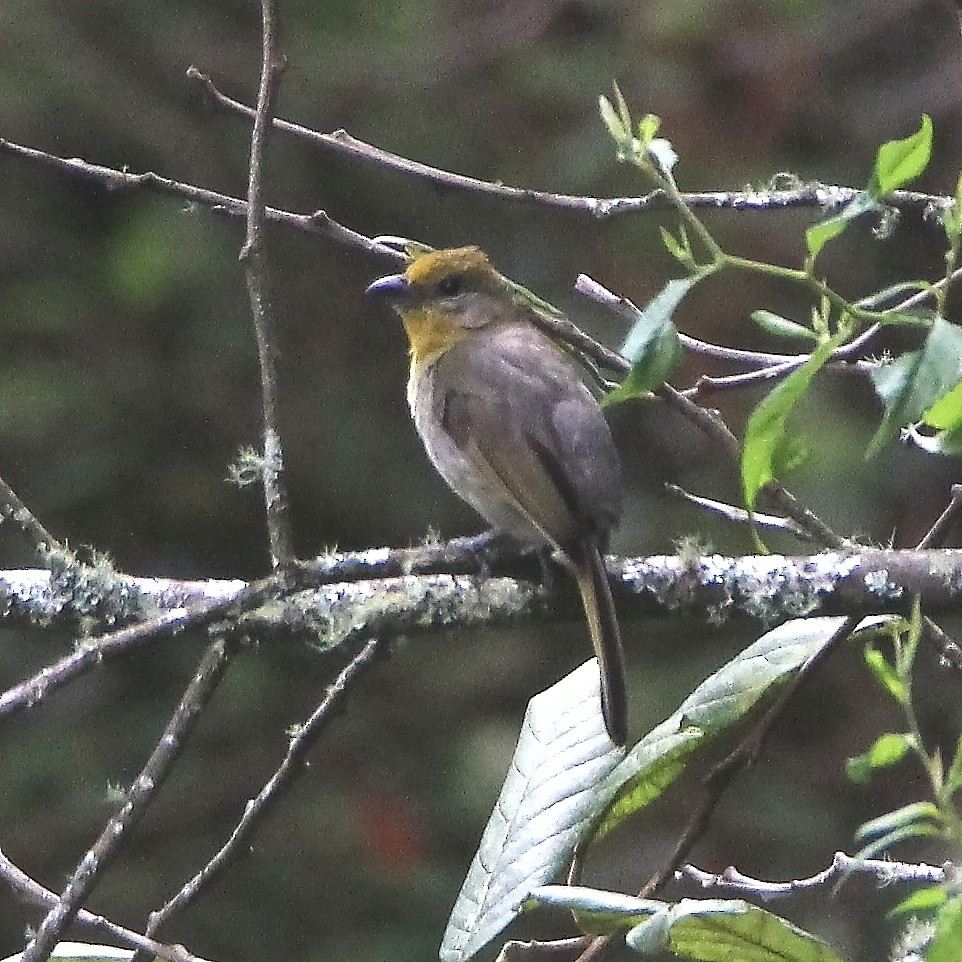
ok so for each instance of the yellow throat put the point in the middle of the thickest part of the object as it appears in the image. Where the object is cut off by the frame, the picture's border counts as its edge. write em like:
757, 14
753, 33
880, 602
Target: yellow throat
430, 333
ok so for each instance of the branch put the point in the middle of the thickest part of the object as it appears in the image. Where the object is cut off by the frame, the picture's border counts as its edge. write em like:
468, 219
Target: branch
301, 741
883, 870
393, 591
807, 195
257, 271
33, 892
11, 507
136, 801
318, 223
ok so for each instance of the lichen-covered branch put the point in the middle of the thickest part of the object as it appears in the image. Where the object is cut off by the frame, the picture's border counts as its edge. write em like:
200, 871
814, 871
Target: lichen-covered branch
407, 589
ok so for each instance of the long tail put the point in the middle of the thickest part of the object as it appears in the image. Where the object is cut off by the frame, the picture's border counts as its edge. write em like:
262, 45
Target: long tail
605, 637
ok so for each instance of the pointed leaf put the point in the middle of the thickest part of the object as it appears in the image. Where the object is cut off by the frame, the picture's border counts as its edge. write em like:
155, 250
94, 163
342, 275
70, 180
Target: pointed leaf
910, 385
885, 674
924, 900
768, 450
723, 930
652, 344
911, 814
550, 797
711, 709
818, 235
946, 412
948, 933
782, 326
873, 300
900, 161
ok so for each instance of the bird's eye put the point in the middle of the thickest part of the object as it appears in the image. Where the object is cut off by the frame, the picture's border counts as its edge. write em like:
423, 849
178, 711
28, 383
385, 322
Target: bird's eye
451, 285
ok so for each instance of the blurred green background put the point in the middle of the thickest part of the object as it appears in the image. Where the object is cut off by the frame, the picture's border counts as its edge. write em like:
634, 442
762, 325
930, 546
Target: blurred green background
128, 379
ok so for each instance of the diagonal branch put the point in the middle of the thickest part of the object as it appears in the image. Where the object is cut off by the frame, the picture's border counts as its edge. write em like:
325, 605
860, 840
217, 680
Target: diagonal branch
301, 741
33, 892
138, 797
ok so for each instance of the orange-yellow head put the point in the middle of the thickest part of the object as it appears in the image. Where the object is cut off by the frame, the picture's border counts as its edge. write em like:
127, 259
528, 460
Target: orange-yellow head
442, 296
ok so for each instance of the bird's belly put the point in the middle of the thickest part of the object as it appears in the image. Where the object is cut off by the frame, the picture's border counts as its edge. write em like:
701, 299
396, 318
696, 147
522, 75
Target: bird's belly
470, 477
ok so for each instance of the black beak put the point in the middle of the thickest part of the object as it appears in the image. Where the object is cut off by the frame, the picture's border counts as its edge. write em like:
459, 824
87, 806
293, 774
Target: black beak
393, 288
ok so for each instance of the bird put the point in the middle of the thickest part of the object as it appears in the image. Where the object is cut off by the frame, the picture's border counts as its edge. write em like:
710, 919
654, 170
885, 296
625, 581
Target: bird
507, 420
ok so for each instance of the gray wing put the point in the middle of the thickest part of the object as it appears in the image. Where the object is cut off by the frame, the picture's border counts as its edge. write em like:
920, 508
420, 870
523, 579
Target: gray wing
521, 406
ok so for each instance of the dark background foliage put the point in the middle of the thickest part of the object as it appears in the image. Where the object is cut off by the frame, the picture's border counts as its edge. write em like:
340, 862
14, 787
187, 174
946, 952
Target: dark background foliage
128, 379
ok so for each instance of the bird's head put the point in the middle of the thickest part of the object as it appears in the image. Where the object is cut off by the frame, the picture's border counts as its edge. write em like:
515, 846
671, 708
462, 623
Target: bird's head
443, 296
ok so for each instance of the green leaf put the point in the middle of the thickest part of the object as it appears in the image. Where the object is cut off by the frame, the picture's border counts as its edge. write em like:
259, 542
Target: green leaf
893, 838
873, 300
888, 749
946, 412
922, 901
916, 317
678, 247
885, 674
911, 385
913, 814
552, 795
948, 933
612, 121
953, 780
818, 235
899, 162
652, 344
712, 709
722, 930
768, 450
782, 326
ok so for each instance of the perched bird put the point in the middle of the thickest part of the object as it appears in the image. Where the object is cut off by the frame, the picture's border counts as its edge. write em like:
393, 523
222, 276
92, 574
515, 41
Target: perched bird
511, 426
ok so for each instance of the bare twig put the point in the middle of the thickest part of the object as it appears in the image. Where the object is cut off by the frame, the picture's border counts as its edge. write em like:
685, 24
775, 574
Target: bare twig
13, 508
739, 515
883, 871
34, 893
318, 223
808, 195
935, 536
257, 271
301, 741
136, 801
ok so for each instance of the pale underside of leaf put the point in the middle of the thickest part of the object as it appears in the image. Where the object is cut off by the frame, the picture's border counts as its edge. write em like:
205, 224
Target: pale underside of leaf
549, 798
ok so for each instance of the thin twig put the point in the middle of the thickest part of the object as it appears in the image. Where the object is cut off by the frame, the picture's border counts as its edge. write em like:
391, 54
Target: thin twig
258, 274
138, 797
13, 508
317, 223
301, 741
883, 871
936, 535
31, 891
808, 195
739, 515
